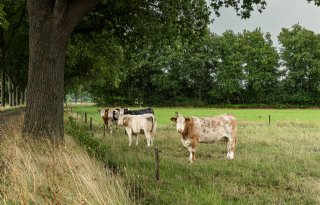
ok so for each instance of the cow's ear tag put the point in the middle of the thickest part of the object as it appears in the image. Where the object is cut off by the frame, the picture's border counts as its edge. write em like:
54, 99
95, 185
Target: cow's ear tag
174, 119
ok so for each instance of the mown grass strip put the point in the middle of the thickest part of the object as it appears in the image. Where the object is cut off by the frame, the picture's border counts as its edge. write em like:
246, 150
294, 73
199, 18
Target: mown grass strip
252, 115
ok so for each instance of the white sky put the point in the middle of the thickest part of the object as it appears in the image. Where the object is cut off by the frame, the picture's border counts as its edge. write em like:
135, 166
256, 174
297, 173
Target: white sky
278, 14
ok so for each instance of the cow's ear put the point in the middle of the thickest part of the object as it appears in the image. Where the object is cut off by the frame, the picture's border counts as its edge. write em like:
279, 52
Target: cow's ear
187, 120
106, 110
173, 119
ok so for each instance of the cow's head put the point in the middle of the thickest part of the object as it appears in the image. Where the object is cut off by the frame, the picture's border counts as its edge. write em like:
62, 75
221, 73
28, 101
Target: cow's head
122, 110
104, 113
116, 114
123, 120
180, 122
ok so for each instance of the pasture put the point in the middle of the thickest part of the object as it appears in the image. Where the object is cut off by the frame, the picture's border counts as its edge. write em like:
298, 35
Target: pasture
273, 164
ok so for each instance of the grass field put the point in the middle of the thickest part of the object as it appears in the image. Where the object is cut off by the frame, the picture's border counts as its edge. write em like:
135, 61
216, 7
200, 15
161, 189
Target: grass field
276, 164
253, 115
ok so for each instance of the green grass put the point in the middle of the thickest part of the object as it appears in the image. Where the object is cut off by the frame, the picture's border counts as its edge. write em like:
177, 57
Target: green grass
277, 164
254, 115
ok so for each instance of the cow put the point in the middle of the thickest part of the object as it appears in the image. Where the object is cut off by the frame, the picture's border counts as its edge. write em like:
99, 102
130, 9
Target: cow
139, 124
196, 130
110, 117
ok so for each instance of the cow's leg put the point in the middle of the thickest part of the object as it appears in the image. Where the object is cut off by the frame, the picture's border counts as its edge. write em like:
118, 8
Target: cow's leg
151, 139
110, 127
116, 123
192, 150
148, 137
192, 155
129, 132
230, 148
137, 139
232, 141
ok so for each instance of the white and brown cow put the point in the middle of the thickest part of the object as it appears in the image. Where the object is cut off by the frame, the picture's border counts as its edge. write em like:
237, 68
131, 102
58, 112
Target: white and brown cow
139, 124
110, 117
196, 130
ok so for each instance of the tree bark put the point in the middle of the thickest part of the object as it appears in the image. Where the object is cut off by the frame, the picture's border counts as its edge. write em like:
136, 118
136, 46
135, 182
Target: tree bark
13, 95
17, 95
21, 96
3, 85
51, 23
10, 91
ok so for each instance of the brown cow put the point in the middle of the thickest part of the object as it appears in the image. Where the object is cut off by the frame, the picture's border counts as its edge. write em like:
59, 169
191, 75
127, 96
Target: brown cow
207, 130
110, 117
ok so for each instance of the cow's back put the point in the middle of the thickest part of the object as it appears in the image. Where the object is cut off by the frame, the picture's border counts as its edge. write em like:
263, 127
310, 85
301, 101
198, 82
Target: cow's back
143, 122
212, 129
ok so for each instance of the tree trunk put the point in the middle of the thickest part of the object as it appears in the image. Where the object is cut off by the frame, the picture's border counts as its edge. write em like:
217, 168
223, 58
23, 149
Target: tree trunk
21, 96
2, 85
25, 96
10, 92
51, 23
44, 113
13, 95
17, 95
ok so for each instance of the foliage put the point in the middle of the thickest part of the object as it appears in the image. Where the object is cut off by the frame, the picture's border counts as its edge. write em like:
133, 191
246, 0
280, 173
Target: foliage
243, 9
300, 56
122, 60
3, 21
14, 41
113, 37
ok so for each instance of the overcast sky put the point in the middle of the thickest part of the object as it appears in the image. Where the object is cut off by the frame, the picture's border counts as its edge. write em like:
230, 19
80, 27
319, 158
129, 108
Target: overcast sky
278, 14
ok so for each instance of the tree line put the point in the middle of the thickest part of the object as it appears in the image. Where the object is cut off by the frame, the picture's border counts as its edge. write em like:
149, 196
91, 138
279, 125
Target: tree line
211, 69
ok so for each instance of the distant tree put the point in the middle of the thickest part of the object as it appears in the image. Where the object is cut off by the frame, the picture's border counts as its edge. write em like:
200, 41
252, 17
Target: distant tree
144, 48
229, 74
94, 64
246, 68
260, 67
12, 30
300, 53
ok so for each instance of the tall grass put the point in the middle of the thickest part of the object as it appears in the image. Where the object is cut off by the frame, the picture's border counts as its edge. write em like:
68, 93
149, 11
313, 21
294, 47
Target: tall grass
33, 172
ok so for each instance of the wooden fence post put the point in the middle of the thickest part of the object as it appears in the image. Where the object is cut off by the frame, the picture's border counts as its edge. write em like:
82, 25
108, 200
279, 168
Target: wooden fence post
85, 118
156, 152
90, 126
269, 119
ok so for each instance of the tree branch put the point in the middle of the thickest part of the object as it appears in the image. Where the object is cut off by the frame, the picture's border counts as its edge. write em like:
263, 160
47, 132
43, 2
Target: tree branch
59, 10
77, 9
